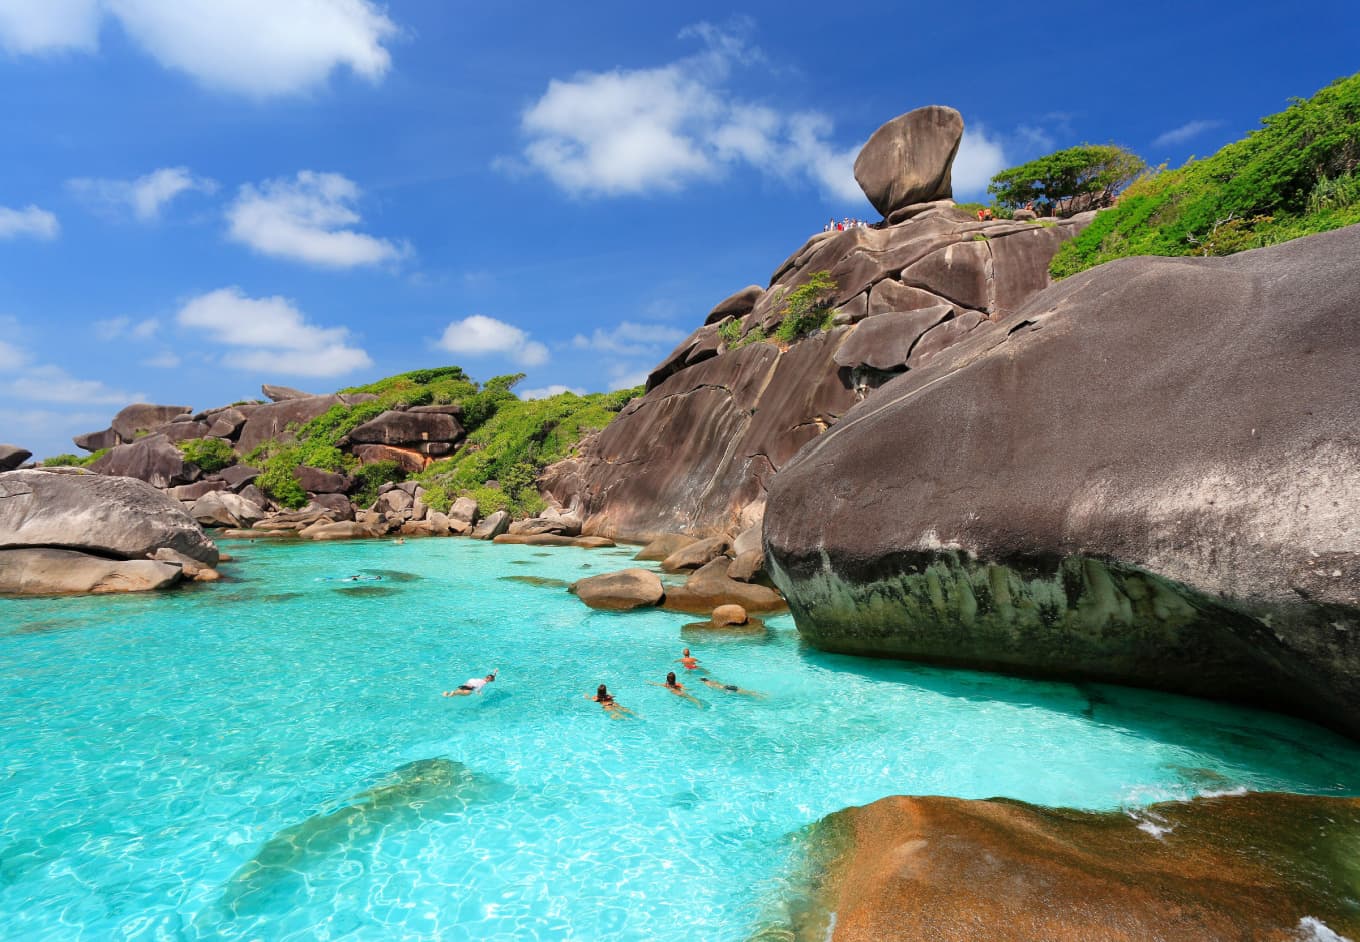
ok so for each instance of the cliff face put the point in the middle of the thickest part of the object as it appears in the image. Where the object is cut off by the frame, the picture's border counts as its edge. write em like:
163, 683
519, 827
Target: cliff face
722, 413
1150, 474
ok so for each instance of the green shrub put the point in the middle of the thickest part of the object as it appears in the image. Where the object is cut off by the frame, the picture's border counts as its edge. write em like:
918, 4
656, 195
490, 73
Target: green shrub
279, 481
807, 308
489, 500
1291, 177
1069, 181
210, 454
74, 461
370, 477
730, 331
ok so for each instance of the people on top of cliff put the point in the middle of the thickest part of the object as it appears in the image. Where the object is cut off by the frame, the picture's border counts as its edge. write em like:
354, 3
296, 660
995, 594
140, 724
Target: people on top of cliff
847, 223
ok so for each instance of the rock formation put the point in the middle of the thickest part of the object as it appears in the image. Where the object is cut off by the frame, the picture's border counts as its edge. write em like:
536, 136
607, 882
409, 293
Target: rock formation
11, 456
728, 408
1147, 475
1261, 866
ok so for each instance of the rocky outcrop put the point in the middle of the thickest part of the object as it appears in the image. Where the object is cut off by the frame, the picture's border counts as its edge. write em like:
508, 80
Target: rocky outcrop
142, 417
491, 526
96, 441
11, 456
114, 517
620, 591
283, 393
408, 428
1262, 866
710, 586
1150, 474
67, 572
271, 420
153, 459
908, 160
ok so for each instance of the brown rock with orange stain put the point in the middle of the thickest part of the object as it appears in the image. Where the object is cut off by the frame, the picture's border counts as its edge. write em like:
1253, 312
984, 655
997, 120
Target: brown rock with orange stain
1264, 867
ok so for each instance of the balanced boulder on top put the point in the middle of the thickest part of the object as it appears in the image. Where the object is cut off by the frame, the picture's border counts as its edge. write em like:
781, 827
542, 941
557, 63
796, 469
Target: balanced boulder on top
909, 159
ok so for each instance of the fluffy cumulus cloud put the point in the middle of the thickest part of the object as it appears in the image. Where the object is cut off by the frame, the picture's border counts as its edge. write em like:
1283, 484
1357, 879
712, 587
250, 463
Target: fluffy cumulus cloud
48, 383
1187, 131
480, 335
255, 47
644, 130
270, 335
307, 219
145, 196
980, 158
556, 389
30, 221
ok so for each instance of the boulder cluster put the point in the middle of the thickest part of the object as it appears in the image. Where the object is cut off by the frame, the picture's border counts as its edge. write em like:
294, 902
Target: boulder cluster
730, 405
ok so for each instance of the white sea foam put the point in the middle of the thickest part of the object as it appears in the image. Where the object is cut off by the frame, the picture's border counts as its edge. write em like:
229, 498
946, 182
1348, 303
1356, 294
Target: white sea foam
1224, 792
1312, 929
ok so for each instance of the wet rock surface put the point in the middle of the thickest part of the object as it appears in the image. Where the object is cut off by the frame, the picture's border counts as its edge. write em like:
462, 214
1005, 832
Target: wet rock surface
1072, 492
1265, 867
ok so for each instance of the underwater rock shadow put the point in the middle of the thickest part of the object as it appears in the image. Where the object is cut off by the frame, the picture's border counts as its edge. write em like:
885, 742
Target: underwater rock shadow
280, 875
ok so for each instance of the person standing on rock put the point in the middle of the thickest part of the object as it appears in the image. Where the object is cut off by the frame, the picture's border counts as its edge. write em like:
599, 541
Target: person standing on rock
474, 685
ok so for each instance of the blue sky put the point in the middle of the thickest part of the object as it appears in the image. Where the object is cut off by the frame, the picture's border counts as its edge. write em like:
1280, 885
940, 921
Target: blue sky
197, 196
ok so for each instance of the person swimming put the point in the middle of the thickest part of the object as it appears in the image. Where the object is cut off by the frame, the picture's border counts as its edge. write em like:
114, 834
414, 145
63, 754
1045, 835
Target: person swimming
473, 685
677, 688
730, 688
606, 699
691, 663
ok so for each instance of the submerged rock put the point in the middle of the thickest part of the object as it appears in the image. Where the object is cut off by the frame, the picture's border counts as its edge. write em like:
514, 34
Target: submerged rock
1148, 475
710, 587
1268, 867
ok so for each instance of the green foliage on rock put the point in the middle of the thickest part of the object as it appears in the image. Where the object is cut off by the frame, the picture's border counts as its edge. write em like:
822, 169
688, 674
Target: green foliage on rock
74, 461
1069, 181
1294, 176
514, 445
210, 454
370, 477
807, 308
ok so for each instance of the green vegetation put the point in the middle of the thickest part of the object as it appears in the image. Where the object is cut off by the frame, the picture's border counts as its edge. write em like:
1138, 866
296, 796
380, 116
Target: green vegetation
370, 477
731, 335
1294, 176
807, 308
730, 331
1069, 181
210, 454
74, 461
514, 445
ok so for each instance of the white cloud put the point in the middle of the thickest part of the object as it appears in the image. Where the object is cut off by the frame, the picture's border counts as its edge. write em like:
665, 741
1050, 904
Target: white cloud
979, 159
1187, 131
480, 335
631, 339
305, 220
254, 47
29, 221
165, 360
556, 389
11, 357
273, 335
659, 129
49, 383
146, 196
626, 376
41, 26
118, 328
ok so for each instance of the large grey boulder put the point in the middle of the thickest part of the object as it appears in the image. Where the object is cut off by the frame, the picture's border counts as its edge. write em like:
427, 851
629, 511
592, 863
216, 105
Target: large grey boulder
492, 526
738, 304
11, 456
408, 428
283, 393
142, 417
226, 423
320, 481
908, 160
152, 459
225, 509
45, 571
271, 420
95, 441
111, 516
462, 515
1150, 474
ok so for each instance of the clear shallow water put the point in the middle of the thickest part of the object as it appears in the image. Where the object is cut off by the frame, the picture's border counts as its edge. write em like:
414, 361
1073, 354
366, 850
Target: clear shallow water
271, 758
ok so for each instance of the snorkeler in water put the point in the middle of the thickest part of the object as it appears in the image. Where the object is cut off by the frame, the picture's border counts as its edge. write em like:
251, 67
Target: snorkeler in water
473, 685
606, 699
730, 688
677, 688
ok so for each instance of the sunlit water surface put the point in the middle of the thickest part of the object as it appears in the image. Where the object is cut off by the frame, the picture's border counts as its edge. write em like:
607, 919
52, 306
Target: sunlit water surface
271, 758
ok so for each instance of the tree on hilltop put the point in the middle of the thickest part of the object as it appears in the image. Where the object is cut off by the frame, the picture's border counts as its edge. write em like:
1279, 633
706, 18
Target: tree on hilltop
1069, 181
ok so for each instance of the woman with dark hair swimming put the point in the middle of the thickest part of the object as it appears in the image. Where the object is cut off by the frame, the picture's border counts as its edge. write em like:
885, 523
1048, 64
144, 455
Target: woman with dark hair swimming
614, 708
677, 688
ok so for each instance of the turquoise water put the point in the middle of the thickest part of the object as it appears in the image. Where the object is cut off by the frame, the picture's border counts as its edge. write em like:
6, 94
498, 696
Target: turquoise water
271, 758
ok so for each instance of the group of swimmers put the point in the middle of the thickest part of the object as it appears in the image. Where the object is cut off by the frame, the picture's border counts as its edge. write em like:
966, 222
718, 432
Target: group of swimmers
606, 699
